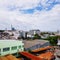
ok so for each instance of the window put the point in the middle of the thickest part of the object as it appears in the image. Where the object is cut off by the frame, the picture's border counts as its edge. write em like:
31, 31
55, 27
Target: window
6, 49
14, 48
20, 46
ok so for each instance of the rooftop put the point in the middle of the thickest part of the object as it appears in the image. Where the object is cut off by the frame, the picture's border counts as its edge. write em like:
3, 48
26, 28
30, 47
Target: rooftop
9, 43
8, 57
30, 43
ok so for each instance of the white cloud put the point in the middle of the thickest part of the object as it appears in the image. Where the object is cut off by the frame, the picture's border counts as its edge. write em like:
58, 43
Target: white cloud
19, 3
44, 20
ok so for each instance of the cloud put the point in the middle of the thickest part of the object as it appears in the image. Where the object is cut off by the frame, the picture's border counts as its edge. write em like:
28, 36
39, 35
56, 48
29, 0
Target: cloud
19, 3
30, 14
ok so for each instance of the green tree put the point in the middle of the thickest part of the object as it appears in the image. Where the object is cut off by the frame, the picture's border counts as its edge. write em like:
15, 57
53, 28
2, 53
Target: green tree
36, 36
53, 40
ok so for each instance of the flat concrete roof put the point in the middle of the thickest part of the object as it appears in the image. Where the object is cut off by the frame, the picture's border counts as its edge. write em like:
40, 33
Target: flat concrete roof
30, 43
9, 43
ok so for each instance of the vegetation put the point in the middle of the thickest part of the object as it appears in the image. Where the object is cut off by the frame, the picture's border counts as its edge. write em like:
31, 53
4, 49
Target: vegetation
36, 36
42, 33
52, 40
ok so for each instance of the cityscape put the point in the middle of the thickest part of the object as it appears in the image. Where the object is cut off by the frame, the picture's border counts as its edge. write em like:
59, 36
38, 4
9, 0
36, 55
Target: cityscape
29, 29
24, 45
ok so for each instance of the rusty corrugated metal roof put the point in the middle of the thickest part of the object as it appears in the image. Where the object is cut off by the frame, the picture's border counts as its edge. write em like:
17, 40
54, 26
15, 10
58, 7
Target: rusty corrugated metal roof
3, 58
11, 57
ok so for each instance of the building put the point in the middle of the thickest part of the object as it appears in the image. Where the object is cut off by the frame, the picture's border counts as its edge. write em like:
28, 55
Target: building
58, 42
35, 44
13, 34
11, 47
31, 33
23, 34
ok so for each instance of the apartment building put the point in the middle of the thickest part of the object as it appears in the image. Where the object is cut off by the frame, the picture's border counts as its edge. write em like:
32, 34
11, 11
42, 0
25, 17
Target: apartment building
11, 47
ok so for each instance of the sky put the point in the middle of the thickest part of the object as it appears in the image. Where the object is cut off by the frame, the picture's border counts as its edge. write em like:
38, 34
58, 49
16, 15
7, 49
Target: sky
30, 14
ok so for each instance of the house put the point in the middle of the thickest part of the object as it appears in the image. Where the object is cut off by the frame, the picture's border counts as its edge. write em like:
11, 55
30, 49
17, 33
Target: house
35, 44
11, 47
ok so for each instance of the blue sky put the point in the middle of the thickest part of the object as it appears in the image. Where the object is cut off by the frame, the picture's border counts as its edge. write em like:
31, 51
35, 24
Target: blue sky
30, 14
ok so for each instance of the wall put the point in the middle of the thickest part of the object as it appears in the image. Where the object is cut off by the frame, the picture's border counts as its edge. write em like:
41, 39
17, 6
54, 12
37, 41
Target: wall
10, 44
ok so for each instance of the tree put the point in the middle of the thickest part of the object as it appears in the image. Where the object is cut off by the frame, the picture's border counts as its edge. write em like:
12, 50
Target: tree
36, 36
53, 40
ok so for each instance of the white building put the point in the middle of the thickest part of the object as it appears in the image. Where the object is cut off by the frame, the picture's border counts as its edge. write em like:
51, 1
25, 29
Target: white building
58, 43
23, 34
10, 47
31, 33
